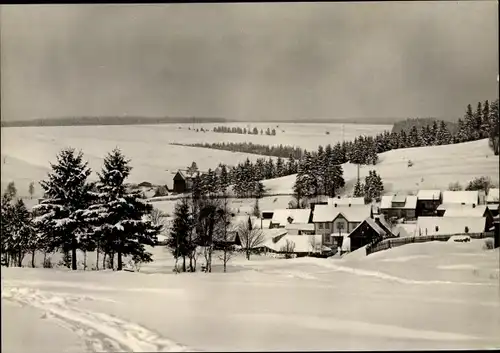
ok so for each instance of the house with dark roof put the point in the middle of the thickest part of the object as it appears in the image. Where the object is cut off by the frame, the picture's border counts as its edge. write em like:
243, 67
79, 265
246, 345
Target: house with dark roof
367, 232
182, 182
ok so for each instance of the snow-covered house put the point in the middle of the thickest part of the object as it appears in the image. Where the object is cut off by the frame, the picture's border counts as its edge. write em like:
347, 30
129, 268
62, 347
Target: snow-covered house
460, 197
282, 217
458, 210
333, 223
427, 202
298, 245
450, 225
367, 232
399, 206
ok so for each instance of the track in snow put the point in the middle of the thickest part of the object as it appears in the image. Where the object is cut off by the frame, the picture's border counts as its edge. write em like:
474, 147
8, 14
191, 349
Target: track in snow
101, 332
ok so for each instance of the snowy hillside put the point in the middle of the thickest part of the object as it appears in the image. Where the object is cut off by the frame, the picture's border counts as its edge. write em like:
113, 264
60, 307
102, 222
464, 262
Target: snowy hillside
411, 296
434, 167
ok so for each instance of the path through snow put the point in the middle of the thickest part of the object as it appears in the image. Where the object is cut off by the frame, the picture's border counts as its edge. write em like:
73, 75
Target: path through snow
101, 332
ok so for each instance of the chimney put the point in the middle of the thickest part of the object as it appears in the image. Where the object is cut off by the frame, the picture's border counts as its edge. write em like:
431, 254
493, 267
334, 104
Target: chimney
349, 205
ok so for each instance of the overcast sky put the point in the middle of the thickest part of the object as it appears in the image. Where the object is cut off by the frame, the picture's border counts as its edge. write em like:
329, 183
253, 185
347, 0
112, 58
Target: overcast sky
248, 61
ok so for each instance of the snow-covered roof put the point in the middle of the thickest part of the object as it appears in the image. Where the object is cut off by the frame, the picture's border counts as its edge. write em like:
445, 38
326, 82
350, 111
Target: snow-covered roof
493, 195
466, 197
371, 222
300, 226
280, 216
409, 200
450, 225
429, 194
301, 243
354, 213
459, 210
346, 200
386, 201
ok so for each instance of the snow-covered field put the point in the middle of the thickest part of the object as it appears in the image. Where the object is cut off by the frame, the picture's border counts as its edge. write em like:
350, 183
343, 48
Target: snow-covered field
419, 296
26, 152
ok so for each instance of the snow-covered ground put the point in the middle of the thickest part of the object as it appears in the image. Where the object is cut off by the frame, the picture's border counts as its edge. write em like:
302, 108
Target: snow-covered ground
26, 151
438, 295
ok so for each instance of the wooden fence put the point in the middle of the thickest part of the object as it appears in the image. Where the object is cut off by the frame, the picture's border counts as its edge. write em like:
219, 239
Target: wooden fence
395, 242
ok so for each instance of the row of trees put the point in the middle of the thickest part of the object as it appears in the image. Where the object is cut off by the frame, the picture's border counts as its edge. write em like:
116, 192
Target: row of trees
75, 214
239, 130
371, 189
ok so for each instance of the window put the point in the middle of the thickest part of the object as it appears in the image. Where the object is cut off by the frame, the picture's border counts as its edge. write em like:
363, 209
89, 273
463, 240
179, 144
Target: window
327, 225
321, 226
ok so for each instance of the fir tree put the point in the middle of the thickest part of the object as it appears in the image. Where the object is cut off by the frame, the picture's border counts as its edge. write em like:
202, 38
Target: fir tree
291, 165
358, 189
31, 189
280, 168
478, 118
485, 120
469, 124
11, 190
223, 179
443, 136
493, 136
67, 196
182, 226
119, 216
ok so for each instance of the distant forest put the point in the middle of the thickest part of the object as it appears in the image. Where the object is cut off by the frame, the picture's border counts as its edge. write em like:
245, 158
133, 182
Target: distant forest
123, 120
407, 124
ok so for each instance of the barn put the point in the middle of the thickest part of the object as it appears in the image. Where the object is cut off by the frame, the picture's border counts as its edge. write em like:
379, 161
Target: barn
182, 182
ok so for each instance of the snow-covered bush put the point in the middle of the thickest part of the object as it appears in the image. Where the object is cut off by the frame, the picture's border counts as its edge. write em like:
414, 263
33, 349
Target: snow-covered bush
489, 244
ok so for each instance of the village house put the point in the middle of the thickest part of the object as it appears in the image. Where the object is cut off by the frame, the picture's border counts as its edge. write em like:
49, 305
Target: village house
282, 217
460, 197
182, 182
470, 211
492, 200
368, 231
336, 222
399, 206
427, 202
450, 225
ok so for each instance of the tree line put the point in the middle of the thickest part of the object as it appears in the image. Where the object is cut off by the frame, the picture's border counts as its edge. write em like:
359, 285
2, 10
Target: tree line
239, 130
76, 214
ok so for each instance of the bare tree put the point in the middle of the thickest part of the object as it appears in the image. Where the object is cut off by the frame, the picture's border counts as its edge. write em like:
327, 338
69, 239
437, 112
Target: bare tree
224, 235
315, 245
288, 249
250, 237
158, 219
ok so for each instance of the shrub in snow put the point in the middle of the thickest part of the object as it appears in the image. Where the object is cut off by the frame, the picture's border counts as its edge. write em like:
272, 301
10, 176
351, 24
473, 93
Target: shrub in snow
455, 186
489, 244
481, 183
47, 263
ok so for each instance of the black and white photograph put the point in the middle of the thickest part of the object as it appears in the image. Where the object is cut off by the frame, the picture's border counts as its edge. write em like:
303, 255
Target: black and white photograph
302, 176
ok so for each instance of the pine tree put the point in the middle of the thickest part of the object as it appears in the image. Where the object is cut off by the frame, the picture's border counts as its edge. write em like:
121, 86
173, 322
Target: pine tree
493, 136
119, 216
31, 189
461, 134
182, 226
358, 189
443, 134
223, 179
478, 118
67, 196
434, 133
414, 137
193, 169
469, 124
291, 165
11, 190
485, 120
280, 168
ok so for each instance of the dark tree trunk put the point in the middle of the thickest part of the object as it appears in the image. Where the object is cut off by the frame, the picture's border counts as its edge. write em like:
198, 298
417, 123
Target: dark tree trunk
73, 255
20, 259
120, 264
112, 261
104, 261
33, 259
97, 259
183, 263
